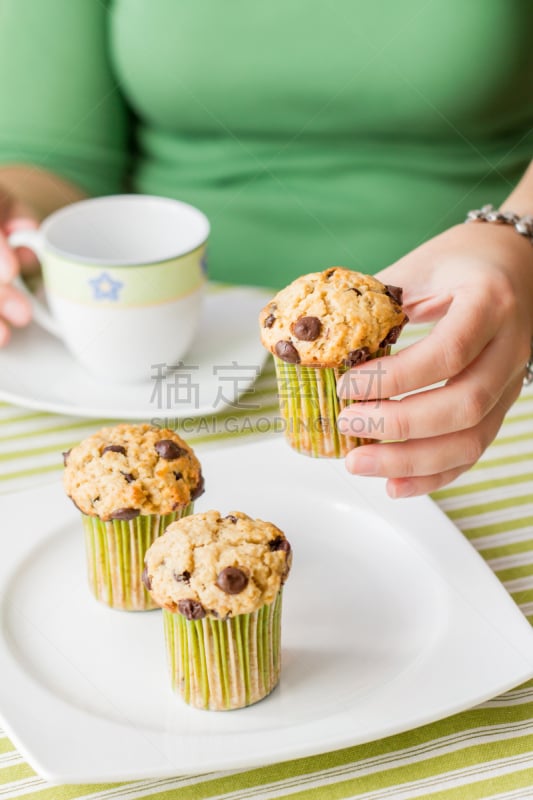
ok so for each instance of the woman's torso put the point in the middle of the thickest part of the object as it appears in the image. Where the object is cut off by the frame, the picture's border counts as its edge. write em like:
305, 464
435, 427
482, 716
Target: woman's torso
315, 134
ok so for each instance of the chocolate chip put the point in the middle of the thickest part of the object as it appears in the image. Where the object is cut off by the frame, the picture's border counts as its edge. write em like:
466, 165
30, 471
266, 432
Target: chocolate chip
231, 518
279, 543
191, 609
395, 293
307, 328
65, 457
199, 489
146, 579
287, 352
182, 577
125, 514
356, 357
392, 336
128, 476
169, 450
232, 580
353, 289
114, 448
330, 272
178, 476
269, 321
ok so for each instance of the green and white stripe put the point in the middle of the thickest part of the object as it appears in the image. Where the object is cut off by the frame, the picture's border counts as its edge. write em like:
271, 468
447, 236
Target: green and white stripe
486, 752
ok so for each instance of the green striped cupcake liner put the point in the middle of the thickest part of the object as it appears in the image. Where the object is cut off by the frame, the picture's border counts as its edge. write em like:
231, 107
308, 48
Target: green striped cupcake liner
223, 664
310, 406
115, 557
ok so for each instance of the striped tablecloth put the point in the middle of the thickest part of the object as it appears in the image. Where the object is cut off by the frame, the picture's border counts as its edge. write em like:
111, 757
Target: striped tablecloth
484, 752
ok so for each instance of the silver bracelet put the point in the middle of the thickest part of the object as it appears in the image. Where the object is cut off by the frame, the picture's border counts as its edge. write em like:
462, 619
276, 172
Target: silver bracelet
523, 226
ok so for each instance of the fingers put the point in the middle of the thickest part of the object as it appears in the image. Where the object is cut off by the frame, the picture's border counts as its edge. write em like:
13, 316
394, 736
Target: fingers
461, 404
5, 333
416, 457
14, 216
8, 262
22, 219
409, 487
454, 342
429, 463
14, 310
9, 266
14, 307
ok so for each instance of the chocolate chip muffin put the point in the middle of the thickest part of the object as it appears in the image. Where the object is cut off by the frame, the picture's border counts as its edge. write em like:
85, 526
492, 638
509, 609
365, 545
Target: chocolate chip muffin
219, 581
129, 482
332, 318
316, 328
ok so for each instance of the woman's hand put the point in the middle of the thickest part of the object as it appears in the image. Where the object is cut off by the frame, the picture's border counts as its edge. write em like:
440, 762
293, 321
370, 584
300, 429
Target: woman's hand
14, 307
476, 281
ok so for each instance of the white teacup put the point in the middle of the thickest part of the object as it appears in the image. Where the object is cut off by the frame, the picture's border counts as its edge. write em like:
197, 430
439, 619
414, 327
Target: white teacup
124, 277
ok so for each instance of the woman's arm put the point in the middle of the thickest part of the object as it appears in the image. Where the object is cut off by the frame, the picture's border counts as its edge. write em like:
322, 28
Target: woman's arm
37, 188
27, 195
476, 282
521, 198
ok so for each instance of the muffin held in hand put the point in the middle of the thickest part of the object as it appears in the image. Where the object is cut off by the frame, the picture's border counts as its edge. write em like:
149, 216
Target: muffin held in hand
129, 482
219, 581
316, 328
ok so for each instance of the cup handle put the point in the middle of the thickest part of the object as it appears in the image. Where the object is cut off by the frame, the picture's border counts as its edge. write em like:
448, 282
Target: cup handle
34, 240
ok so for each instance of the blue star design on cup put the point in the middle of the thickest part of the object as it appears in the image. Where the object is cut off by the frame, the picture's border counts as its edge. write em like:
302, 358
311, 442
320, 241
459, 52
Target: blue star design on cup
203, 263
105, 287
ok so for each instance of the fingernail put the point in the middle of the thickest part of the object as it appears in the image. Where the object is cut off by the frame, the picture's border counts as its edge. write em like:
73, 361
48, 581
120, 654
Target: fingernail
404, 489
364, 465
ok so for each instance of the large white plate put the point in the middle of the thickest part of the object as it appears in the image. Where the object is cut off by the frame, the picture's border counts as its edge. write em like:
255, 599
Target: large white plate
390, 620
37, 371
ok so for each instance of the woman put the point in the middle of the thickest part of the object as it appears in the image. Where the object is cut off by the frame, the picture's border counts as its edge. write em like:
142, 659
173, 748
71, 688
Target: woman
311, 135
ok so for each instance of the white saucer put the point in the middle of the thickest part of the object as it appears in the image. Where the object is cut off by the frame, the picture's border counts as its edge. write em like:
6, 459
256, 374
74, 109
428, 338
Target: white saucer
36, 370
391, 620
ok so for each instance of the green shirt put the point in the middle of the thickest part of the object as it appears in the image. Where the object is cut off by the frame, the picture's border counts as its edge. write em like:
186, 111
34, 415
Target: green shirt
310, 133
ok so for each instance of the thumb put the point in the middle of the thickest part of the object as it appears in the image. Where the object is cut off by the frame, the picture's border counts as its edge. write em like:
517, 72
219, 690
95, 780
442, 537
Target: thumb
9, 265
20, 218
420, 302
